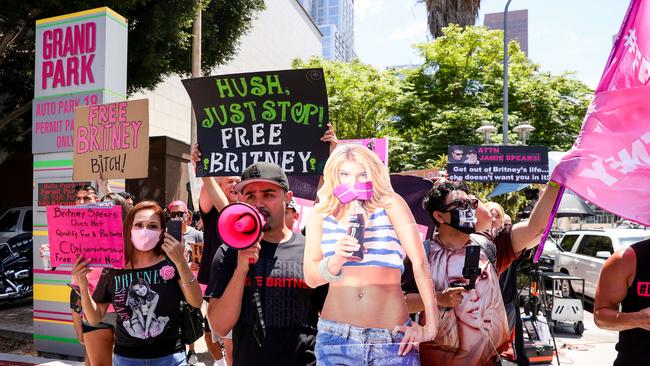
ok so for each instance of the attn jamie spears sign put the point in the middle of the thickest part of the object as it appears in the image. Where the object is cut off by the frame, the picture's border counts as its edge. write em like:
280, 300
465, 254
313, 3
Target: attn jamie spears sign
274, 116
80, 60
505, 164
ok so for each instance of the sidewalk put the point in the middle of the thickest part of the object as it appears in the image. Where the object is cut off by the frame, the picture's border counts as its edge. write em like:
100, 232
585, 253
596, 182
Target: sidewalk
594, 348
7, 359
16, 339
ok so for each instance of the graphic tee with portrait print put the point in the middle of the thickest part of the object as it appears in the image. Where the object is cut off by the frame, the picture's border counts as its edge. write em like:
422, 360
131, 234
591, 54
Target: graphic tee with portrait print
465, 332
147, 304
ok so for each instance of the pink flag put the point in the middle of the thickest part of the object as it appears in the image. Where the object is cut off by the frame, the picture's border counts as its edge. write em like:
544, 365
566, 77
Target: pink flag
609, 164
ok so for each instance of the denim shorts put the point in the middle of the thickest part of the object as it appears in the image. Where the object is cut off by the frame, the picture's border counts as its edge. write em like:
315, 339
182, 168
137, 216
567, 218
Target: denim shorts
175, 359
340, 344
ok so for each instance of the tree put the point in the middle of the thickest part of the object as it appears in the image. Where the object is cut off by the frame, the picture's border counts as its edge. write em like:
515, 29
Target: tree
442, 12
362, 99
460, 85
159, 44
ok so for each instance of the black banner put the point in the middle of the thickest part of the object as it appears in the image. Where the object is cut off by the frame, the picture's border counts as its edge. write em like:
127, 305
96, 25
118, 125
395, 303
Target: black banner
58, 193
274, 116
496, 163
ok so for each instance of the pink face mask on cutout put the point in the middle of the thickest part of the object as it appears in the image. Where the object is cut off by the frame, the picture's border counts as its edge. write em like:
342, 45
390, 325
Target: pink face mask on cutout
145, 239
361, 191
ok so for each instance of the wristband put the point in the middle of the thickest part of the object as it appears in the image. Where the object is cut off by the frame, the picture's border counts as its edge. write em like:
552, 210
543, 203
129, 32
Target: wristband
325, 272
188, 283
553, 184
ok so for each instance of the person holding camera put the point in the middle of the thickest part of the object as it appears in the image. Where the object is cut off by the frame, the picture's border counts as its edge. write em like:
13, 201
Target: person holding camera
475, 331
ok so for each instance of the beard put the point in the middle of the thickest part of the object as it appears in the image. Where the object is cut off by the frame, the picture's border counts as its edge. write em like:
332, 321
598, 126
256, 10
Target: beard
267, 217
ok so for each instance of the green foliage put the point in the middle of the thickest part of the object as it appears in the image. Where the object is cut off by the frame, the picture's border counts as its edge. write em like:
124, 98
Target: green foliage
362, 99
460, 85
159, 44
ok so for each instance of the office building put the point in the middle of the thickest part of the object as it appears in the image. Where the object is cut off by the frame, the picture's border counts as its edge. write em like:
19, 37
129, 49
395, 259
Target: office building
335, 19
517, 26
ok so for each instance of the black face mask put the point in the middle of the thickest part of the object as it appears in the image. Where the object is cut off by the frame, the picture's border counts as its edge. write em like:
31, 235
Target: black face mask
463, 220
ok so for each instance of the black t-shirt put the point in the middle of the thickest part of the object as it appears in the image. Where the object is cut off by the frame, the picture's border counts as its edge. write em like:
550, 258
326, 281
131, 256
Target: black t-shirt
633, 343
144, 296
211, 242
290, 308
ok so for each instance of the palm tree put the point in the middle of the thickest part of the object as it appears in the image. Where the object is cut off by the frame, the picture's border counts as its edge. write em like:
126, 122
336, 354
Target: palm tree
442, 12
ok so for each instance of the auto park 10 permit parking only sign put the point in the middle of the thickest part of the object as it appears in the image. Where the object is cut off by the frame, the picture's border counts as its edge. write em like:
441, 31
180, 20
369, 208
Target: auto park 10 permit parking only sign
504, 164
275, 116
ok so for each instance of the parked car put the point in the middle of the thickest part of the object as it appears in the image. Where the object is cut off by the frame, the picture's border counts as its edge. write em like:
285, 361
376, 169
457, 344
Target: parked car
547, 259
15, 221
583, 253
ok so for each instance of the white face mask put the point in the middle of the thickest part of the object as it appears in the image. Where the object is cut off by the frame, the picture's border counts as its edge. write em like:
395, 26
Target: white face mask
145, 239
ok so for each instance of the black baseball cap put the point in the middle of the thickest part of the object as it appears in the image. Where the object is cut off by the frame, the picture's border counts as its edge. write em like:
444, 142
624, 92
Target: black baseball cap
263, 172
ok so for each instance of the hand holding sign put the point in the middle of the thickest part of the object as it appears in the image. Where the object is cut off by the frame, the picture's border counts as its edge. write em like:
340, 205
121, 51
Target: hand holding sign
93, 232
112, 140
276, 117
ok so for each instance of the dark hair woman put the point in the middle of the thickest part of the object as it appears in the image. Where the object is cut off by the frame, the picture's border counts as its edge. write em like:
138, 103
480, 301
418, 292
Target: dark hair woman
147, 329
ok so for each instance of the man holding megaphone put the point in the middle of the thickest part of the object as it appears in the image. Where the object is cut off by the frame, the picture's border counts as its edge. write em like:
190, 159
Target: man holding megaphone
256, 286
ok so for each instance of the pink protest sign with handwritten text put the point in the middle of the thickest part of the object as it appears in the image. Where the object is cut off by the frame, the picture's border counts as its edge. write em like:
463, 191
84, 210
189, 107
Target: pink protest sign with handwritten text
609, 164
91, 231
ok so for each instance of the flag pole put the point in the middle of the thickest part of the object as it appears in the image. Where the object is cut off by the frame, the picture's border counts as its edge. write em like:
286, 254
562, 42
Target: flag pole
549, 224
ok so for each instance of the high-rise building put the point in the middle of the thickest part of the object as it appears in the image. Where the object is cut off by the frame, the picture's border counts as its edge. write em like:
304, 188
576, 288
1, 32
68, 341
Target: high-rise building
335, 19
517, 25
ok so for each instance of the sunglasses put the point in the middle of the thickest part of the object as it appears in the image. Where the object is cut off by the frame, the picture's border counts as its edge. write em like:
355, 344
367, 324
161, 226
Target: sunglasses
176, 214
461, 204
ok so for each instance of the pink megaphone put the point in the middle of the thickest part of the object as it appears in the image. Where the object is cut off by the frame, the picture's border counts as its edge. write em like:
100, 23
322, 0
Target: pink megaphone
240, 225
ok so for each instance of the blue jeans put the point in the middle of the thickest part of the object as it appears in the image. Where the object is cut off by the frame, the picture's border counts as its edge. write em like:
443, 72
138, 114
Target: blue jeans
175, 359
343, 344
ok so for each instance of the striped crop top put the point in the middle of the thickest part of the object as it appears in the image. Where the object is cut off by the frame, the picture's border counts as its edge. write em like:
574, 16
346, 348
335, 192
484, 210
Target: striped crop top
383, 247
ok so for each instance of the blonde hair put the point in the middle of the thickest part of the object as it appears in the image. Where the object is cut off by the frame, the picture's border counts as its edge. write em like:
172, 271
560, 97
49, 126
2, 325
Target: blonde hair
376, 171
495, 206
491, 304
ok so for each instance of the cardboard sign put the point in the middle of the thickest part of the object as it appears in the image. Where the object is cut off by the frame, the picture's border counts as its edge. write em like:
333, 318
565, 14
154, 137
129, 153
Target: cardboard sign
112, 140
91, 231
275, 116
58, 193
424, 173
506, 164
379, 146
197, 252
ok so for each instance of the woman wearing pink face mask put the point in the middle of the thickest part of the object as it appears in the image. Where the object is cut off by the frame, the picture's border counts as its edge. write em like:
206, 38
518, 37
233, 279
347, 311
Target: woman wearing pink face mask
147, 327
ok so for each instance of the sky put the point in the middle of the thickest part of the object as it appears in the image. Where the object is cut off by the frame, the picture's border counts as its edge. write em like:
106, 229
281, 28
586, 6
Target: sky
563, 35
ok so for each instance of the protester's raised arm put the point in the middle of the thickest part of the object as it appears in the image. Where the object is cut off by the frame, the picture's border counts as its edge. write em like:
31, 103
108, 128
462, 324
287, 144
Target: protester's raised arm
525, 233
329, 137
211, 193
93, 312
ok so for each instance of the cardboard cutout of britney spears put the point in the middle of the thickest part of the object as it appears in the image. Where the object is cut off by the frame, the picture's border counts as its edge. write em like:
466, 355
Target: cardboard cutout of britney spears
357, 237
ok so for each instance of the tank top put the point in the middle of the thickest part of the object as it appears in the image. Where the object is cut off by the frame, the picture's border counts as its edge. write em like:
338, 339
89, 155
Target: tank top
633, 344
383, 247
